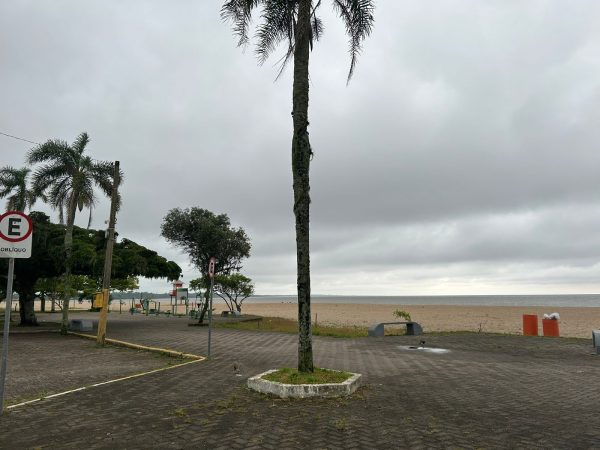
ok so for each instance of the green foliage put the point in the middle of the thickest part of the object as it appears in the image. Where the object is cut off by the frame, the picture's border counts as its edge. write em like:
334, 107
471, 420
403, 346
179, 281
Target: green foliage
319, 376
203, 235
132, 259
43, 271
197, 284
233, 288
296, 23
129, 283
81, 286
280, 24
15, 181
280, 325
68, 177
402, 314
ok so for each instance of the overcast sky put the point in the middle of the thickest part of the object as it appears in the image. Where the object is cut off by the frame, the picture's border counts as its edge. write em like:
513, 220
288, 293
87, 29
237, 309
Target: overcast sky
462, 158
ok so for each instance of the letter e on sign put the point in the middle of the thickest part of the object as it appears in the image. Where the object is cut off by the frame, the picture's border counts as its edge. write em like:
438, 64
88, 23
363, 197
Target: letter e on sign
15, 235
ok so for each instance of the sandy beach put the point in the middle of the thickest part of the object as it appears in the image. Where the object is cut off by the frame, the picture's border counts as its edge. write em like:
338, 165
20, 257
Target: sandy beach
574, 321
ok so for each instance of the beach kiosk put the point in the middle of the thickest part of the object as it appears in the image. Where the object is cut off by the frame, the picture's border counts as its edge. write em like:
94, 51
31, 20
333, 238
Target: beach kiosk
98, 300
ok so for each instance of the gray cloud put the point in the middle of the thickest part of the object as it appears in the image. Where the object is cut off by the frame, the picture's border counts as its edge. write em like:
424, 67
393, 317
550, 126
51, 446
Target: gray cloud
461, 158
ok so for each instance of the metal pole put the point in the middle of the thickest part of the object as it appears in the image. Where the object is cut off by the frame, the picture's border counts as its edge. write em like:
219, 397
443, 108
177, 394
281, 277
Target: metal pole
210, 313
8, 301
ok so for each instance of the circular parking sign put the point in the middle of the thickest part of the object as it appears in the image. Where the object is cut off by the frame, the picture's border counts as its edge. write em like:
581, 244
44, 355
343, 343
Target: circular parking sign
15, 226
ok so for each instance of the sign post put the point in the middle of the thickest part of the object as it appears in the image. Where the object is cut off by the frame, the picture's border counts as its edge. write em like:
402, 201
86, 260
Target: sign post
211, 275
15, 242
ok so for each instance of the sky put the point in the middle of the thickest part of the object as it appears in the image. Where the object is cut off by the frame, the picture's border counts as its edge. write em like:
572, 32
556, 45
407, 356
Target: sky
462, 158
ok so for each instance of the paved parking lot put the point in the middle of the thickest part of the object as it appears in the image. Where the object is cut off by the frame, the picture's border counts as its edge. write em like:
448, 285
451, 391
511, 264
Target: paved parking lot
488, 391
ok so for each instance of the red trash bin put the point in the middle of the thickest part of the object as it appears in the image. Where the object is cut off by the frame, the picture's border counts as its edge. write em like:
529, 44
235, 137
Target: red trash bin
530, 325
550, 327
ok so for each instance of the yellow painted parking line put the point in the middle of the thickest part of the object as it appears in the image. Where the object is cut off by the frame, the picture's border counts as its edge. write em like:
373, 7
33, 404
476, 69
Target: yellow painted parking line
137, 375
173, 353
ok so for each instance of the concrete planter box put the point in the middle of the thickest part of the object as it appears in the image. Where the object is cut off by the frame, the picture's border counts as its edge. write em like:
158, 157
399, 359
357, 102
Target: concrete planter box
257, 383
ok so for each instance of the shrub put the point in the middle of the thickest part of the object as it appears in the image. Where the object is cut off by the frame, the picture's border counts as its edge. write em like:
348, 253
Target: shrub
400, 314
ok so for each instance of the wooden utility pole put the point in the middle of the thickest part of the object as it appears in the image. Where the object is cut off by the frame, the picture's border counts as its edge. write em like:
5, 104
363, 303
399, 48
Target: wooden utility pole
108, 258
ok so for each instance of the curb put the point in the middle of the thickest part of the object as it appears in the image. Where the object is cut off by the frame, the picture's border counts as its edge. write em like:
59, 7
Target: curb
172, 353
257, 383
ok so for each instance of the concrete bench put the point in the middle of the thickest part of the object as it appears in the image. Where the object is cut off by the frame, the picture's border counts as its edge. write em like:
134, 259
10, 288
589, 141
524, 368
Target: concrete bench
81, 325
412, 328
596, 340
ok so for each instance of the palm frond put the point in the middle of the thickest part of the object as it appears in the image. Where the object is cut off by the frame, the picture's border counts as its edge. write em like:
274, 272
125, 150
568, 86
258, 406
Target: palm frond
239, 12
47, 175
80, 142
15, 181
67, 178
102, 173
278, 24
51, 150
316, 26
358, 19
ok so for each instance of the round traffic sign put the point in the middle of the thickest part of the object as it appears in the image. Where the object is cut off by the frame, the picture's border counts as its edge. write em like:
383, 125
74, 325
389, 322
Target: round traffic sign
15, 226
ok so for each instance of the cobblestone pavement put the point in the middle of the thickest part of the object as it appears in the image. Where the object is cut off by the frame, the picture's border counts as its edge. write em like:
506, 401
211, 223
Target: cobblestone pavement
41, 364
488, 391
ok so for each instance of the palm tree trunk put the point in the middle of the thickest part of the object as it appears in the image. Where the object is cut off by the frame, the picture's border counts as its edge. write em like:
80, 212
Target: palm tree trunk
68, 253
301, 154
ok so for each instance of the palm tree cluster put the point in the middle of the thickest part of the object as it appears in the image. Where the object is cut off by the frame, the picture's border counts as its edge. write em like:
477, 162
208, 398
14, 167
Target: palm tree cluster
66, 178
296, 23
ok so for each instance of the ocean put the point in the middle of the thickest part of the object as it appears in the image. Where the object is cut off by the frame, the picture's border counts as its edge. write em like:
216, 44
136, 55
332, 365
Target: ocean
578, 300
588, 300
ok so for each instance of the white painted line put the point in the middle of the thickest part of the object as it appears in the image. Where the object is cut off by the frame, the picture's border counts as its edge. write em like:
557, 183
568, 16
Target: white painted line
103, 383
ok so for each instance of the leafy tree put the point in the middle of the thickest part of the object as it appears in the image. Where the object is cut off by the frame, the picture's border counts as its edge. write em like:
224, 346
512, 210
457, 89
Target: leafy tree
202, 235
125, 284
82, 287
51, 288
233, 289
15, 181
197, 286
48, 264
296, 23
67, 178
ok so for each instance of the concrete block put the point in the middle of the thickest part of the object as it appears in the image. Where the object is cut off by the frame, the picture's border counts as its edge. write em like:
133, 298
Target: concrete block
596, 338
81, 325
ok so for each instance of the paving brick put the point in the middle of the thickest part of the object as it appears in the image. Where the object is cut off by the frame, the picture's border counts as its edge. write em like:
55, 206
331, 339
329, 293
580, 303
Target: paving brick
489, 391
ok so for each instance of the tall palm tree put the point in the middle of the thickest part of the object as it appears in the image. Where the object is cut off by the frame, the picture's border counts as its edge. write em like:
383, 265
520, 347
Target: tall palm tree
15, 181
68, 177
296, 23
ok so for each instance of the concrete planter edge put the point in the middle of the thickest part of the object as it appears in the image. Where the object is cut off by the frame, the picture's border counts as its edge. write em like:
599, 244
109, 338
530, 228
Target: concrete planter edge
257, 383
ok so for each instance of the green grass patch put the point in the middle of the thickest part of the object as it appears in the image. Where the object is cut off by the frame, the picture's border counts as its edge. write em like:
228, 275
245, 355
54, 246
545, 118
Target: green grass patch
281, 325
319, 376
291, 326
